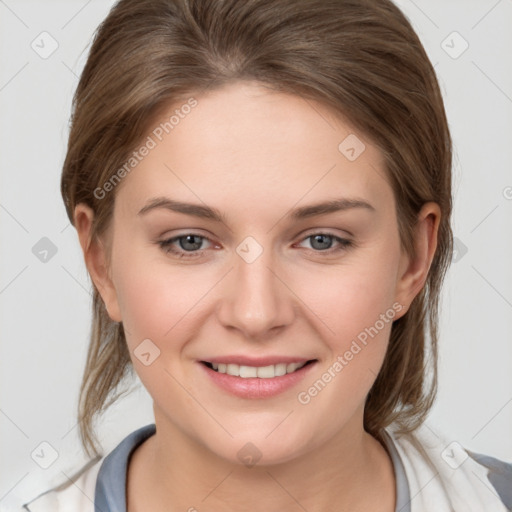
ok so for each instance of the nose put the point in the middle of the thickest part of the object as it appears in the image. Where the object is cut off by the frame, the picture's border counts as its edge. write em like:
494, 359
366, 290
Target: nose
256, 299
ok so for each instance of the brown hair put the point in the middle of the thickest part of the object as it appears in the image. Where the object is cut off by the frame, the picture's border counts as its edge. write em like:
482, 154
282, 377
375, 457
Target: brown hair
361, 58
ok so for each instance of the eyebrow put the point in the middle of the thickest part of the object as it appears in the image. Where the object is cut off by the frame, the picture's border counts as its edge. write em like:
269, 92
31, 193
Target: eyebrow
207, 212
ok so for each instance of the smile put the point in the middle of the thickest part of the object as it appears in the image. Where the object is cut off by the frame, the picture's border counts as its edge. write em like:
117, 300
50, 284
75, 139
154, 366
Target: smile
262, 372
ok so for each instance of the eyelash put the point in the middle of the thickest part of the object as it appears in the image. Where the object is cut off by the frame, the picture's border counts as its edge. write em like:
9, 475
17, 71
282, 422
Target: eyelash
166, 245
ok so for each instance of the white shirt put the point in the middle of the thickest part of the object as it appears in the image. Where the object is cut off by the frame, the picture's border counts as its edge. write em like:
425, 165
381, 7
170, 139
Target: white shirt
431, 475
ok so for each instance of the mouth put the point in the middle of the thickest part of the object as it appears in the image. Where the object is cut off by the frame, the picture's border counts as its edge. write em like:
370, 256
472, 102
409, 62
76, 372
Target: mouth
261, 372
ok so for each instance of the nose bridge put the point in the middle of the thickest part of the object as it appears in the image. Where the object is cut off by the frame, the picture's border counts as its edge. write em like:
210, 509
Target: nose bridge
258, 301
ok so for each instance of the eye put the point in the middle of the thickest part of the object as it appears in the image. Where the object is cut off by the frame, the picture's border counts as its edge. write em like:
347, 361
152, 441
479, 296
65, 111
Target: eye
189, 245
322, 242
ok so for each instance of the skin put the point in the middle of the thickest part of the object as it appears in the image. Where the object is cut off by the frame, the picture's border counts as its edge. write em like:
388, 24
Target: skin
255, 154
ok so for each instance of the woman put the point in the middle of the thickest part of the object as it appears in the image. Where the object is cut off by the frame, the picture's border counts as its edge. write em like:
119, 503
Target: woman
262, 193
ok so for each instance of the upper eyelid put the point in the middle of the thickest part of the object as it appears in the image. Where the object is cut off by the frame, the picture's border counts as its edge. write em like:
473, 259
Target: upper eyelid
183, 235
306, 233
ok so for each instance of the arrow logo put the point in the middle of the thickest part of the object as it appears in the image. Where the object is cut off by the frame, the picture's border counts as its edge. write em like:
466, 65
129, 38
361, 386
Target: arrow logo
249, 454
44, 455
147, 352
44, 250
44, 45
249, 249
351, 147
454, 455
454, 45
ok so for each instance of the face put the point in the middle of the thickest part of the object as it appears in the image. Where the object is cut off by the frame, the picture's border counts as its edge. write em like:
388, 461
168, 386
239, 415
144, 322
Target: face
271, 282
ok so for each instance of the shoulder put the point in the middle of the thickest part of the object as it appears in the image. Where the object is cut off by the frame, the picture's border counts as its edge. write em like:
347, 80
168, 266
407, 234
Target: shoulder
444, 475
75, 493
101, 482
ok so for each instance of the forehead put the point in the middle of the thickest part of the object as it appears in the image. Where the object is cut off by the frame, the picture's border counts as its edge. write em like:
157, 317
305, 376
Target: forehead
244, 145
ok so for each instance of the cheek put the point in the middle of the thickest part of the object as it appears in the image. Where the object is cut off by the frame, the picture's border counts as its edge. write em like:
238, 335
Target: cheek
359, 309
161, 301
353, 296
147, 297
156, 307
152, 304
357, 304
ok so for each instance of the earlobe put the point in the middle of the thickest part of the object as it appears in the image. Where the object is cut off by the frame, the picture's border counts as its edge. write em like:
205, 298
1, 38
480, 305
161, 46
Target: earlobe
414, 270
96, 261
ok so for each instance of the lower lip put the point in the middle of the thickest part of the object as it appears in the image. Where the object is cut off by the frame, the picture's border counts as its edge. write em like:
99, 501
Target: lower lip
255, 387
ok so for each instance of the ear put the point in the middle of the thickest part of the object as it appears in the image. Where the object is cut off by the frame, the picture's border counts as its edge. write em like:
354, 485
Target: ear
413, 271
96, 260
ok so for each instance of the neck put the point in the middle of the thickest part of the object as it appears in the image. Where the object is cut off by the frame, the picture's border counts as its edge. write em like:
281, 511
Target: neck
172, 471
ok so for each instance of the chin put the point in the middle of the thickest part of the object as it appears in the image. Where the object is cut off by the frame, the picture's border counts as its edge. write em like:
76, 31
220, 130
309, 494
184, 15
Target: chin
254, 449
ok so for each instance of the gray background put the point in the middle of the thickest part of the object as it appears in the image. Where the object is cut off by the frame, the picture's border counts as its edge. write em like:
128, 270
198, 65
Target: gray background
45, 305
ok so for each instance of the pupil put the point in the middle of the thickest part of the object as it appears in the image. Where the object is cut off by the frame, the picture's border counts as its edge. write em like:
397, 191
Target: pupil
187, 238
321, 237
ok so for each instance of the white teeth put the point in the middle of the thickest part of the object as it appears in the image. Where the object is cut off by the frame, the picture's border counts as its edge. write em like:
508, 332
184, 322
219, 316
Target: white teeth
233, 369
280, 369
263, 372
266, 372
291, 367
246, 371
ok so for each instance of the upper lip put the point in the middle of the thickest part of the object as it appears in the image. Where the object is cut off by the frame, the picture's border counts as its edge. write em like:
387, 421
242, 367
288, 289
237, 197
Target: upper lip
256, 361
